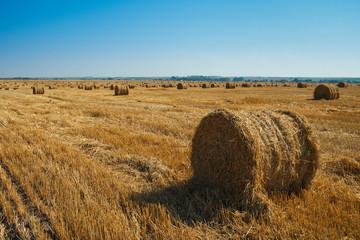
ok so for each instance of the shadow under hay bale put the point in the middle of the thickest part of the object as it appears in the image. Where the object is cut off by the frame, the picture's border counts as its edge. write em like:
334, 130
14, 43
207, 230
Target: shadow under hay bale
252, 154
193, 202
326, 91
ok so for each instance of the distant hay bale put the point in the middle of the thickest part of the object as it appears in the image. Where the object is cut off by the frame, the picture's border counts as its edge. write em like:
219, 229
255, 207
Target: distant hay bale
80, 87
88, 87
131, 86
246, 85
249, 153
212, 85
37, 90
181, 86
259, 85
6, 88
165, 85
121, 90
342, 84
205, 85
302, 85
230, 85
326, 91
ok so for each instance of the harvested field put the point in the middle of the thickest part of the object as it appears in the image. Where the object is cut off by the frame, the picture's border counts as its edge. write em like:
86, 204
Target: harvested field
78, 164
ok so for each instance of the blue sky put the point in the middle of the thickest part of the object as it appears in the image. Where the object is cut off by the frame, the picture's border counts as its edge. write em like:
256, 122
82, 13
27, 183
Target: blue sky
172, 37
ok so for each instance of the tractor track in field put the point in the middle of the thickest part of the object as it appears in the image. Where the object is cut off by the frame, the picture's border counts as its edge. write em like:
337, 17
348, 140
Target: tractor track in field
31, 208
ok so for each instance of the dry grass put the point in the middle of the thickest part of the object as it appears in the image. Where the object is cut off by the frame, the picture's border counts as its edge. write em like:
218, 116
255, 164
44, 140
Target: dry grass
78, 164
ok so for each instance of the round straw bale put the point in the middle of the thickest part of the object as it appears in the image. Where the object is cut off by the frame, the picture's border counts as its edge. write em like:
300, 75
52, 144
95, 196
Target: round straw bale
230, 85
302, 85
342, 84
38, 90
212, 85
131, 86
326, 91
80, 87
205, 85
121, 90
181, 86
259, 85
88, 87
246, 85
254, 152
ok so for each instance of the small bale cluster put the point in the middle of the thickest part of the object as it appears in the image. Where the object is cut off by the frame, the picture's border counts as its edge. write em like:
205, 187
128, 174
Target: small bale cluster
253, 153
181, 86
302, 85
121, 90
326, 91
230, 85
38, 90
342, 84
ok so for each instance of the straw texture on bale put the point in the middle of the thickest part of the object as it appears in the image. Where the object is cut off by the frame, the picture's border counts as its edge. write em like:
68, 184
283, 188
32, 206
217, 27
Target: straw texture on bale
121, 90
342, 84
302, 85
230, 85
326, 91
37, 90
181, 86
251, 153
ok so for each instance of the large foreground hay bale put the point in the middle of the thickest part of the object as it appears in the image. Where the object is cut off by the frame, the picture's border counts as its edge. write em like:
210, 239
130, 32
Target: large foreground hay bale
230, 85
121, 90
342, 84
251, 153
326, 91
37, 90
181, 86
302, 85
